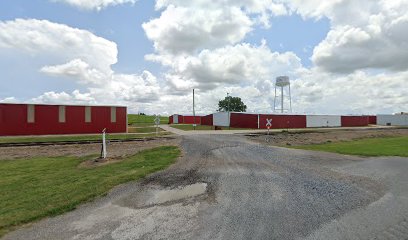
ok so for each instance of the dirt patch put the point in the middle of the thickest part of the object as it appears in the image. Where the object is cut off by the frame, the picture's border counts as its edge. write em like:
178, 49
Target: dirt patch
306, 138
115, 150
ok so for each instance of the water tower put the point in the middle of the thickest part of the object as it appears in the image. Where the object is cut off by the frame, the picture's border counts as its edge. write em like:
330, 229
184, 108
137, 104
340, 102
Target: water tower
283, 83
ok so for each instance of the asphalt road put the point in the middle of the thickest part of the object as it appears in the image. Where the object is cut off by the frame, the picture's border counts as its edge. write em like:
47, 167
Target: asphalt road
238, 189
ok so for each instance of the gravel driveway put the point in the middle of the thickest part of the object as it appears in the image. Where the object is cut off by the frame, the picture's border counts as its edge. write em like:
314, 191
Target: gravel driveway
237, 189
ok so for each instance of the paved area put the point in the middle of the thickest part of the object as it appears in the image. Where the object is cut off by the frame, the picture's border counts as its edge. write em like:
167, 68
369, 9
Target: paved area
230, 132
225, 187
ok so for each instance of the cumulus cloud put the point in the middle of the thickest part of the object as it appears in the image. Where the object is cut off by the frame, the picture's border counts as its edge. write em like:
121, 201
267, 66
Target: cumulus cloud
76, 97
364, 34
94, 4
78, 69
85, 58
189, 26
184, 30
241, 64
58, 42
201, 44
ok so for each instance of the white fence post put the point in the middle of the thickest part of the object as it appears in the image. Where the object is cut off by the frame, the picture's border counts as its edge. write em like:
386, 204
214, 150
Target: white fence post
104, 153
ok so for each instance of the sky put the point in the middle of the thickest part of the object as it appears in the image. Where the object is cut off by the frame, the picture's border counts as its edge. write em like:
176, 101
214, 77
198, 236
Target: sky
342, 56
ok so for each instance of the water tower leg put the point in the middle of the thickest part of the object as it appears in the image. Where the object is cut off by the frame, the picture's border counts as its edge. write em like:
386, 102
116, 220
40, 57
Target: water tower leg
274, 101
282, 99
290, 99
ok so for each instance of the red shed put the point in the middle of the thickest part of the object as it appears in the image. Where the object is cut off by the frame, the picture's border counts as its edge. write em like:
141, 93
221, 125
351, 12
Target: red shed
41, 119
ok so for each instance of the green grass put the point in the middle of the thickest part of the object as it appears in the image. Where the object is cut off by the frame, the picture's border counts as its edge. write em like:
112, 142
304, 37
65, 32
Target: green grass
387, 146
63, 138
143, 129
144, 120
35, 188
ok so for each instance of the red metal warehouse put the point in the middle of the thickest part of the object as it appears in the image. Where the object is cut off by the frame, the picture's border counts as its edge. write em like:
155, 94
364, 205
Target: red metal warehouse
41, 119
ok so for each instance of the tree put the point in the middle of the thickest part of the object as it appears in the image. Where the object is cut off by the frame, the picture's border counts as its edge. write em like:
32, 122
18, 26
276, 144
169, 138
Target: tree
232, 104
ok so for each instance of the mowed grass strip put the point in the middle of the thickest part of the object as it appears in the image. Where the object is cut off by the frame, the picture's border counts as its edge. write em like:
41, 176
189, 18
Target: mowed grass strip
143, 129
144, 120
387, 146
35, 188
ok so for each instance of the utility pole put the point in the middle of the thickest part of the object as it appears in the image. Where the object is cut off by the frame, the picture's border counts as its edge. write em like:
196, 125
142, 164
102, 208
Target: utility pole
194, 118
228, 111
228, 104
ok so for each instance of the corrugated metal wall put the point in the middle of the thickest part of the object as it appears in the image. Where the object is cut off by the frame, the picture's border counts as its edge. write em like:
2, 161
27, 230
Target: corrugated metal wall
221, 119
46, 120
190, 120
392, 120
177, 118
283, 121
323, 121
207, 120
372, 120
254, 121
354, 121
242, 120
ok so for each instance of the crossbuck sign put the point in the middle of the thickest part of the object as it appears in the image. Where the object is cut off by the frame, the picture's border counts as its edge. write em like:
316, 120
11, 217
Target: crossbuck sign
269, 123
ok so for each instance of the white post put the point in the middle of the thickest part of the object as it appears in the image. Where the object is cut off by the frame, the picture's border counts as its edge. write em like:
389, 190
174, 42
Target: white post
157, 123
104, 154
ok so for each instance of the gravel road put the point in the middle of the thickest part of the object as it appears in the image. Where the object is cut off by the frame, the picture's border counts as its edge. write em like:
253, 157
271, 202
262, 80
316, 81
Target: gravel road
238, 189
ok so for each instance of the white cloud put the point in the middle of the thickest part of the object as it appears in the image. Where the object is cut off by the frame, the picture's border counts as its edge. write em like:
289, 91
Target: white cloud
8, 100
58, 42
76, 97
94, 4
364, 34
185, 30
78, 69
242, 64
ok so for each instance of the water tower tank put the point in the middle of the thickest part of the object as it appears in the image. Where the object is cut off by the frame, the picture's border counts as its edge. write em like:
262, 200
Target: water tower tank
282, 81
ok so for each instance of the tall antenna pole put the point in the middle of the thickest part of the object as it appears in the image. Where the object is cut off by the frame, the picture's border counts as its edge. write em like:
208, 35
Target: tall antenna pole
194, 118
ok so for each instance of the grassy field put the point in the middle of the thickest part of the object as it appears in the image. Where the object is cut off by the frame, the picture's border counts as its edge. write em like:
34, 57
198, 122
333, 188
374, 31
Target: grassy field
388, 146
63, 138
143, 129
144, 120
35, 188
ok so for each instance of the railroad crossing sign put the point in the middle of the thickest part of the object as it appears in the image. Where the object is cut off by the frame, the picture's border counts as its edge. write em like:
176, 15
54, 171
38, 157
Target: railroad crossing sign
157, 120
269, 123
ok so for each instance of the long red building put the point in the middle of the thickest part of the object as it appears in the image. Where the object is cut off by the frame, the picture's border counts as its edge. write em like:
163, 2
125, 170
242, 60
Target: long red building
277, 121
41, 119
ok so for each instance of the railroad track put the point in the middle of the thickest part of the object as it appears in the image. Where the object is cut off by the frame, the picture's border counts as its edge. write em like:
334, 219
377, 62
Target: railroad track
27, 144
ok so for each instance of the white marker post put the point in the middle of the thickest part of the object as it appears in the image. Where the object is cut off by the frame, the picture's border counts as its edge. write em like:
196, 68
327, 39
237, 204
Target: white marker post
103, 152
157, 122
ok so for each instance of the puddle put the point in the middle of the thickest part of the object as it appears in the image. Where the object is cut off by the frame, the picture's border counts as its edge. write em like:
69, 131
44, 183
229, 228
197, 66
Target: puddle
163, 196
157, 196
